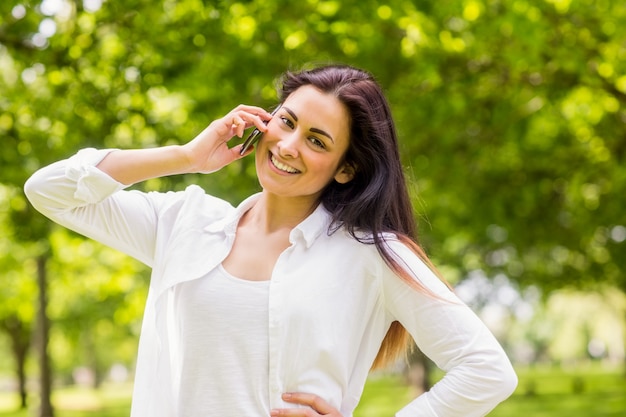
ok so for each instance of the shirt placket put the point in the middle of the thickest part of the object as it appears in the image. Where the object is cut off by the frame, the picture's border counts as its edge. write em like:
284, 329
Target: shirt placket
276, 339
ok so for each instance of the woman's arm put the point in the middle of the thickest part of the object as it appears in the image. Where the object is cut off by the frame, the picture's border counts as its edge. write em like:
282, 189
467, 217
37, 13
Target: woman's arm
478, 375
77, 195
84, 193
207, 152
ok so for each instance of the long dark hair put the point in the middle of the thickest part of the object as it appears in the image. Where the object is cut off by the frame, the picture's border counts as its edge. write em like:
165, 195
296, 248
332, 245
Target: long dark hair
376, 200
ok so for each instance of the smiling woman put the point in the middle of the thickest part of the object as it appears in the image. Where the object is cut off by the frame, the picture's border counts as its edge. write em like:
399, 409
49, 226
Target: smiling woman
282, 305
307, 139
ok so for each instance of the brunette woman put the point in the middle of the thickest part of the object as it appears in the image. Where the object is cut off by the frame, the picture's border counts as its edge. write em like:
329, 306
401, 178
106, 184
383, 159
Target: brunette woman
282, 305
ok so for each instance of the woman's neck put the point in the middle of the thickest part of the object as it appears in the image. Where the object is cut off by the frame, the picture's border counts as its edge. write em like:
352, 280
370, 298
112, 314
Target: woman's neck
273, 213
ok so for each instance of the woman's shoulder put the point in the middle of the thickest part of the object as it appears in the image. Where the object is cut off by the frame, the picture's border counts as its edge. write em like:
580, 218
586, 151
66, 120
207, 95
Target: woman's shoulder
192, 199
364, 243
397, 246
366, 237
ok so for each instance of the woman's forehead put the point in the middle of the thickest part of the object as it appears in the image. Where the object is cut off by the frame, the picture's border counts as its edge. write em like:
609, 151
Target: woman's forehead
319, 110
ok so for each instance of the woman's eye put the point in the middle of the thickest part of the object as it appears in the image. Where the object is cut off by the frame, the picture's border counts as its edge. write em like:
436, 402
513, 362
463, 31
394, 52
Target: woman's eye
287, 122
315, 141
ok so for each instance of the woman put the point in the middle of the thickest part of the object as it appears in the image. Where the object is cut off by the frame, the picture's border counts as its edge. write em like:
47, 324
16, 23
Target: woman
281, 305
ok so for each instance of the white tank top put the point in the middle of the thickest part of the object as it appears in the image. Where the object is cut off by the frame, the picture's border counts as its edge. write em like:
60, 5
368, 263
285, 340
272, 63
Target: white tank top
223, 330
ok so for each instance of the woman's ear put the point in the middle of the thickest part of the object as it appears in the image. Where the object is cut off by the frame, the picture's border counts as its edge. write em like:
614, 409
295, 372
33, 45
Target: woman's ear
345, 173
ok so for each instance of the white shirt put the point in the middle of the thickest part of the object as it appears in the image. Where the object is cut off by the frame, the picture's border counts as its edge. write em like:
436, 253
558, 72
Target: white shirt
331, 298
222, 331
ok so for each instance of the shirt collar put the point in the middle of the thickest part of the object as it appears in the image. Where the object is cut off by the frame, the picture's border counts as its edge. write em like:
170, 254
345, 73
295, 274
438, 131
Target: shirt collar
308, 230
228, 224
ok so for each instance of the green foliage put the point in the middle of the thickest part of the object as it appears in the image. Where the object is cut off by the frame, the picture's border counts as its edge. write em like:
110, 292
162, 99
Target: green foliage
17, 276
511, 117
517, 145
97, 299
511, 114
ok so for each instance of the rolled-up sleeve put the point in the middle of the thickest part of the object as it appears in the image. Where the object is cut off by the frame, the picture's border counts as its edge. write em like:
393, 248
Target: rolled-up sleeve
478, 375
76, 194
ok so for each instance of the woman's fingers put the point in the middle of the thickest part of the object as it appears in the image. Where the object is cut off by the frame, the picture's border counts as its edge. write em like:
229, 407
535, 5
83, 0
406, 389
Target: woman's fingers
238, 125
239, 119
312, 400
244, 117
318, 406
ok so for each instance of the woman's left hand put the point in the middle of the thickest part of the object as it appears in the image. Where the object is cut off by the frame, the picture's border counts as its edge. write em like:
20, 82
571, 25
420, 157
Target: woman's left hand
318, 406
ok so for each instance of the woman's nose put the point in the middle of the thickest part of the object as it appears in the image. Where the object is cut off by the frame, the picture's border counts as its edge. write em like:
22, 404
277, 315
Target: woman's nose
288, 145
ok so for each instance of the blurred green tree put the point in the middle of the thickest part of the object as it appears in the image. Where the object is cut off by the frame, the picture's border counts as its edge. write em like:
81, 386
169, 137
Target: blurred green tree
511, 114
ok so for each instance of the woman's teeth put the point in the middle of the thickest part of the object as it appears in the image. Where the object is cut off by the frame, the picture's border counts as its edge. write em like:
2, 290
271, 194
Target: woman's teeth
283, 167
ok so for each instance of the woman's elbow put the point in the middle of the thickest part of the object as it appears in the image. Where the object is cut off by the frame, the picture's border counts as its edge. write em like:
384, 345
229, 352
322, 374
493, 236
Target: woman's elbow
507, 381
32, 189
41, 195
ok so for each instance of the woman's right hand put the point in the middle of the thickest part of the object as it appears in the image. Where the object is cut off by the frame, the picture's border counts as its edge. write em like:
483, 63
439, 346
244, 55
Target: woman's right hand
209, 151
206, 153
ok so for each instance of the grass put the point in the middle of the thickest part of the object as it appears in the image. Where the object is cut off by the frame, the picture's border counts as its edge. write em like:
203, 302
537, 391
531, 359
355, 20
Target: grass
548, 392
109, 401
542, 392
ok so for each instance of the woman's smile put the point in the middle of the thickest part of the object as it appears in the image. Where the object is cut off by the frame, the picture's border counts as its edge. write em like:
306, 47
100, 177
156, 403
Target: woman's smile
282, 167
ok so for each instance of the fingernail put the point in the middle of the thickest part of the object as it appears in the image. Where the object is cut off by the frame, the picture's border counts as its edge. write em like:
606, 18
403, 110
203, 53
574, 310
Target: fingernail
286, 396
274, 413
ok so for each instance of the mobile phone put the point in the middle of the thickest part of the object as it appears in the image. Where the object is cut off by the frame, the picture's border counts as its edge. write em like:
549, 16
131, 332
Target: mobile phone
254, 136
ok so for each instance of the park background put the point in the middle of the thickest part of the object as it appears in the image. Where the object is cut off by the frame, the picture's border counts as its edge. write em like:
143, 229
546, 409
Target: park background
511, 114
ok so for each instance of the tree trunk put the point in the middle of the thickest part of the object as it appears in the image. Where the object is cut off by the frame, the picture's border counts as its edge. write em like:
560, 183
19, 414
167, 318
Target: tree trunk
92, 358
21, 377
20, 335
624, 357
43, 328
418, 371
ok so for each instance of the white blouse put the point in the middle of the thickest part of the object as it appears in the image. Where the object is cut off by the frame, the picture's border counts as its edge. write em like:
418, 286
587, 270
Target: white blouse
221, 326
331, 299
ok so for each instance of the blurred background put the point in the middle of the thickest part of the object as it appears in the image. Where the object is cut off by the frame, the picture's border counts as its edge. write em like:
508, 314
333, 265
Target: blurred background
512, 119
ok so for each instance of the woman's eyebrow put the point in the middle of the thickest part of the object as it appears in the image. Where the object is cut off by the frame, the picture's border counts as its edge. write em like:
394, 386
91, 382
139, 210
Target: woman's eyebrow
321, 132
291, 113
313, 129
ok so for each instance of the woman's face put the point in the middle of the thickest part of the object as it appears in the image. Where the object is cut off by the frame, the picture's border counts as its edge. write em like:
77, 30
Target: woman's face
304, 146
